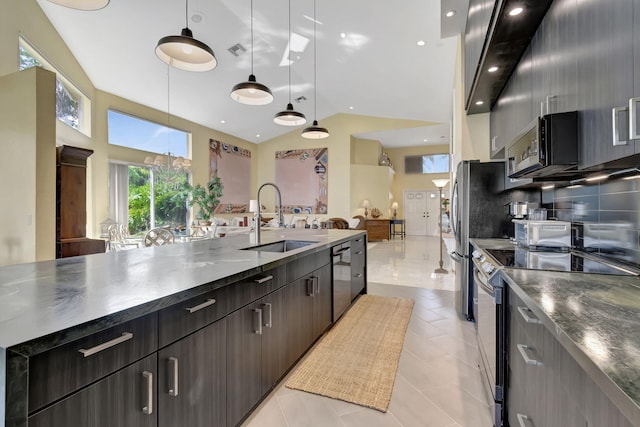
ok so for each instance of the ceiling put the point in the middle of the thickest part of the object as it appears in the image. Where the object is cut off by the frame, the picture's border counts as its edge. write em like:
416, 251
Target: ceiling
368, 60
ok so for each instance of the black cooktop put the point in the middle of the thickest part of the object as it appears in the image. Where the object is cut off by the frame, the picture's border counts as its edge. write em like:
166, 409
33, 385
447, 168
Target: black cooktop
555, 260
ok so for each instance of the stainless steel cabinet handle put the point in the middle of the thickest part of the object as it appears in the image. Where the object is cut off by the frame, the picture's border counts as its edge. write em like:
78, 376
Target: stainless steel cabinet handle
316, 285
633, 123
523, 352
524, 312
359, 275
267, 312
359, 253
264, 279
205, 304
173, 376
615, 126
257, 321
522, 420
148, 408
309, 282
126, 336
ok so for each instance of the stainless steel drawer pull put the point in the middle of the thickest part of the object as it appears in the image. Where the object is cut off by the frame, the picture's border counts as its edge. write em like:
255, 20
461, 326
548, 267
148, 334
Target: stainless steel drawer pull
316, 285
522, 420
359, 253
126, 336
310, 287
524, 312
359, 275
523, 352
267, 315
173, 376
198, 307
148, 409
257, 321
634, 132
264, 279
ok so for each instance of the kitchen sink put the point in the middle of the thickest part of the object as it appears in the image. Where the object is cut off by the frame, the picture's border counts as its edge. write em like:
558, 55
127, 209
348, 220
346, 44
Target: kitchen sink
281, 246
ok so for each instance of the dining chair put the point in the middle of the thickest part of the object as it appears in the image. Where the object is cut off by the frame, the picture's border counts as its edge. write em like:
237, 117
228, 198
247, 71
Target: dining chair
158, 237
116, 240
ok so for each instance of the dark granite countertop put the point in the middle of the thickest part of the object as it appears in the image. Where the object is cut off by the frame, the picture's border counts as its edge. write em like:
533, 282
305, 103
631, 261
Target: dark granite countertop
595, 317
42, 298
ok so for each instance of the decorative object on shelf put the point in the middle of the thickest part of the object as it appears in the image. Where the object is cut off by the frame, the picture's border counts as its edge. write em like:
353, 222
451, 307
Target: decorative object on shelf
206, 197
289, 117
251, 92
315, 131
184, 52
82, 4
375, 213
365, 205
440, 183
394, 207
384, 160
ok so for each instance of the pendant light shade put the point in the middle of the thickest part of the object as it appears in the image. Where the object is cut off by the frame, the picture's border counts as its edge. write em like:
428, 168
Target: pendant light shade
251, 92
82, 4
186, 53
315, 131
289, 117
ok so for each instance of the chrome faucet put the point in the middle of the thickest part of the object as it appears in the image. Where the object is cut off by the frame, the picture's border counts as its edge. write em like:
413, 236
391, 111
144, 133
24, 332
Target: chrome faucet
278, 210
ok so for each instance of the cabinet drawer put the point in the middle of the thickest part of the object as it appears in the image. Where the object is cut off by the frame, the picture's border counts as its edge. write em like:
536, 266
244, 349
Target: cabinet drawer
181, 319
303, 266
117, 400
255, 287
62, 370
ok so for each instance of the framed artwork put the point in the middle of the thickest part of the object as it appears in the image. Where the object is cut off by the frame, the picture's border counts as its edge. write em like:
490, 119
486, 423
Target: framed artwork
232, 165
302, 176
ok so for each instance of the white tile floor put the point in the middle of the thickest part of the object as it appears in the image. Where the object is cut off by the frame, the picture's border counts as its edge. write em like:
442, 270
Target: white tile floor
438, 381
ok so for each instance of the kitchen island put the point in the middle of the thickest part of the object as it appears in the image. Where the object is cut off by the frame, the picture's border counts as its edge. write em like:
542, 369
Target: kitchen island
124, 310
589, 347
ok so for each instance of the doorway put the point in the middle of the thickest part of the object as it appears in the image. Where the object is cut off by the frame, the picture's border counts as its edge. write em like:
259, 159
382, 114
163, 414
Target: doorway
421, 212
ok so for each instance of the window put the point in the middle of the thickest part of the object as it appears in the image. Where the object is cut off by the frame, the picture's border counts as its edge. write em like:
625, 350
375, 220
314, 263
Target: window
72, 107
428, 163
132, 132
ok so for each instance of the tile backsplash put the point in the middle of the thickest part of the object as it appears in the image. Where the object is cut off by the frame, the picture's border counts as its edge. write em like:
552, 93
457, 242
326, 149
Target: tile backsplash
605, 217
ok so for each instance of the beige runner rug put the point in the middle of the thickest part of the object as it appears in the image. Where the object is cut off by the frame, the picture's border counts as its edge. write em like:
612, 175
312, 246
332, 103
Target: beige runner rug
357, 360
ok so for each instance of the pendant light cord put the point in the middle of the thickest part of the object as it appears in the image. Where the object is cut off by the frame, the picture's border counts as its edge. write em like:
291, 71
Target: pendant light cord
186, 13
289, 53
315, 65
251, 23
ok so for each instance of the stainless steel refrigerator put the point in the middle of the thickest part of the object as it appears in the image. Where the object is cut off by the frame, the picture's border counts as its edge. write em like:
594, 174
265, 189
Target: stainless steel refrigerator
477, 211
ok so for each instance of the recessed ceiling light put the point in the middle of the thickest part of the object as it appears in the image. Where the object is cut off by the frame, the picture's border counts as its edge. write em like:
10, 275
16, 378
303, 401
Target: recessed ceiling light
515, 11
425, 140
222, 121
258, 136
343, 35
420, 43
492, 69
479, 102
350, 108
450, 13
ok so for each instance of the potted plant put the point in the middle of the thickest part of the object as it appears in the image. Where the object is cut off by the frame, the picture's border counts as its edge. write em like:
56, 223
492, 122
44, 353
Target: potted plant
207, 198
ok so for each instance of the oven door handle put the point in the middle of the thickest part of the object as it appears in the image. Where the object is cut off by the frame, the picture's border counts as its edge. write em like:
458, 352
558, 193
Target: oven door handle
485, 286
454, 256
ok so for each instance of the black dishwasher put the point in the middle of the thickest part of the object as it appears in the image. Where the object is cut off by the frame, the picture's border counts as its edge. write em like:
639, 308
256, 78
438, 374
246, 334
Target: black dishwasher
341, 260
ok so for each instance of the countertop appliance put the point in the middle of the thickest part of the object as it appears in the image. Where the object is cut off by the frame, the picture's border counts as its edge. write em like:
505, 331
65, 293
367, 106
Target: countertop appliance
477, 211
547, 147
540, 234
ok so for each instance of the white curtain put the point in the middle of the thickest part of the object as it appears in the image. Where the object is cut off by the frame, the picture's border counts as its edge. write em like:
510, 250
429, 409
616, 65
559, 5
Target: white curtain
119, 193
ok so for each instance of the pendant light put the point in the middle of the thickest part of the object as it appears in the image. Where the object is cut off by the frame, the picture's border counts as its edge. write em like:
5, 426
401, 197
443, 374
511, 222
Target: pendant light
251, 92
315, 131
185, 52
289, 117
82, 4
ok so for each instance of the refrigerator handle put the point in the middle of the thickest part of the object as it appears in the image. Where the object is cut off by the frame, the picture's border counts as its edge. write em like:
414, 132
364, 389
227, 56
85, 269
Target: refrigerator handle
455, 257
454, 208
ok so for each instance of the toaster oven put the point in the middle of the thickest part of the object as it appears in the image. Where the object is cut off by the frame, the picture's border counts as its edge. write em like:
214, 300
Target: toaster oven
543, 234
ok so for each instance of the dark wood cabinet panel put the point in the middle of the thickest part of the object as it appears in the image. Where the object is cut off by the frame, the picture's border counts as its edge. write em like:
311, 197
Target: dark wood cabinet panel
322, 300
275, 358
117, 400
192, 379
378, 229
358, 267
305, 265
244, 362
604, 78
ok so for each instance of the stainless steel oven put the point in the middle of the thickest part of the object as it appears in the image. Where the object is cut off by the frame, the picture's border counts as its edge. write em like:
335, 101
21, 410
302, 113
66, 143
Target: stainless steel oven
490, 326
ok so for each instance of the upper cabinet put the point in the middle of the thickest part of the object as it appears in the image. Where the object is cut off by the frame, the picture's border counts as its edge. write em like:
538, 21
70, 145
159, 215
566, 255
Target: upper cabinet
605, 77
478, 20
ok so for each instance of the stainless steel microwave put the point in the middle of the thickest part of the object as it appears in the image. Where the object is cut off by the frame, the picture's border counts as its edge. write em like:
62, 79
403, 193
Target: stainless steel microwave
548, 147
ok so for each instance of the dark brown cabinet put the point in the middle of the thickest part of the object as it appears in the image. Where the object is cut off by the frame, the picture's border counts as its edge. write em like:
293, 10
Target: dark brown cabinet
192, 379
378, 229
358, 266
125, 398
